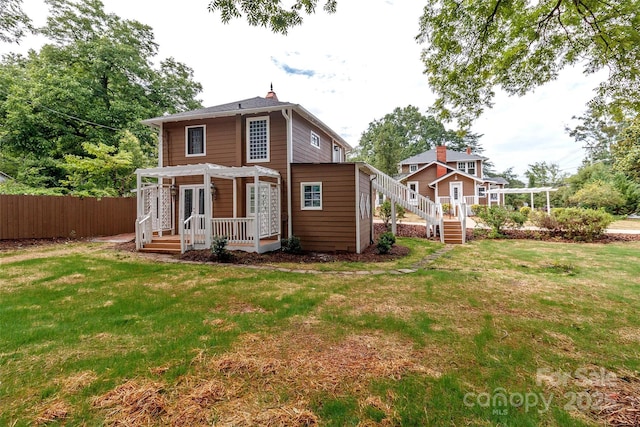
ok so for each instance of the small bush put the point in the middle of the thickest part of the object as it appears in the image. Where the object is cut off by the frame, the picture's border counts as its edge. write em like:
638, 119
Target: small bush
525, 210
573, 223
291, 245
219, 248
384, 212
498, 217
385, 242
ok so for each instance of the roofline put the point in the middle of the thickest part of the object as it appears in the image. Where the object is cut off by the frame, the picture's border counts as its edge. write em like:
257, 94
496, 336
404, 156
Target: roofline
157, 121
459, 172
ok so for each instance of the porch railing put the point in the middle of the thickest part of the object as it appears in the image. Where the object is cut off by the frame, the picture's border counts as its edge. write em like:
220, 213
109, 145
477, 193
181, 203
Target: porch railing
236, 230
192, 232
144, 231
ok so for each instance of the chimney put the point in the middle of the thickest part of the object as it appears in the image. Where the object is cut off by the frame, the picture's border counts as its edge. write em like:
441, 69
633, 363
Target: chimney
271, 94
441, 157
468, 150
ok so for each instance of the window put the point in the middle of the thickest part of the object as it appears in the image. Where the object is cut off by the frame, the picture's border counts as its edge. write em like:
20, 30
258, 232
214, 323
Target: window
258, 139
413, 168
315, 139
482, 191
471, 168
196, 141
462, 166
311, 195
413, 187
494, 197
337, 153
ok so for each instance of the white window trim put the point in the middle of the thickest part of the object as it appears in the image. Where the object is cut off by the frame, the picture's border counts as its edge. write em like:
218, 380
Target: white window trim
204, 141
309, 208
258, 119
494, 197
464, 166
413, 168
311, 139
339, 149
417, 190
482, 194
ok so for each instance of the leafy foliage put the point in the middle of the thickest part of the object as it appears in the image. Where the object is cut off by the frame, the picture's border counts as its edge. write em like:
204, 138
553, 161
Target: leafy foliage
404, 133
14, 23
498, 217
385, 242
574, 223
384, 212
473, 47
598, 194
291, 245
626, 151
219, 248
91, 83
271, 13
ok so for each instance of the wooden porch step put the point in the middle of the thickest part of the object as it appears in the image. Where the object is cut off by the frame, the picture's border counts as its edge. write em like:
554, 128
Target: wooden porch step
163, 245
452, 232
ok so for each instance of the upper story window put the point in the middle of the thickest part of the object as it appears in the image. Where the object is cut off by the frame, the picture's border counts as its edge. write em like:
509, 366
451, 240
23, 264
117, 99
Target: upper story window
482, 191
413, 168
196, 141
468, 167
258, 139
315, 139
338, 155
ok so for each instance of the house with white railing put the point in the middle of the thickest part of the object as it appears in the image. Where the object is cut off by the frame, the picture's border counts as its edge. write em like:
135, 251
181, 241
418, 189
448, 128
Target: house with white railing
259, 170
451, 177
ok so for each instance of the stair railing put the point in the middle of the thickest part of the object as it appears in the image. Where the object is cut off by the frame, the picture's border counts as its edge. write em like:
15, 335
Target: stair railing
144, 231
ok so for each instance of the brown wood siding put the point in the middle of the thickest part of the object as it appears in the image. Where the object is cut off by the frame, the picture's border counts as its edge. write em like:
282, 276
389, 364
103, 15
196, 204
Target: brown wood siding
220, 142
303, 151
334, 227
34, 217
468, 186
365, 222
424, 178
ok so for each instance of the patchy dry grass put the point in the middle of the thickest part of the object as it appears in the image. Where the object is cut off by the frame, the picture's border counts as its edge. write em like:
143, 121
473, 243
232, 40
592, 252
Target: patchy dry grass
102, 337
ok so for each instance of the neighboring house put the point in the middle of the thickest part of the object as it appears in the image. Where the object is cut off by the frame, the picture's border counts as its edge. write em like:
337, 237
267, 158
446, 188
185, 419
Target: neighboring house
254, 171
450, 177
4, 177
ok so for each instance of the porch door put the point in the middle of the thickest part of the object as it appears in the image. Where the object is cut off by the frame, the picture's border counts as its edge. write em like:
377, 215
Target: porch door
455, 193
413, 187
192, 202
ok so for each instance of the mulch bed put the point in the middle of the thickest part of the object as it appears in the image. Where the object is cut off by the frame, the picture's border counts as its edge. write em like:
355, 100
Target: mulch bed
10, 244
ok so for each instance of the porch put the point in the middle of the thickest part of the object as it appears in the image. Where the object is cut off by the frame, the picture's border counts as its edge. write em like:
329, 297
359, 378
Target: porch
170, 210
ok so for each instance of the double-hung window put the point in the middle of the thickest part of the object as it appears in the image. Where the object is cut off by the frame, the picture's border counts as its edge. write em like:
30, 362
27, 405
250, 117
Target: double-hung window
258, 139
413, 168
471, 168
311, 196
315, 140
196, 141
482, 191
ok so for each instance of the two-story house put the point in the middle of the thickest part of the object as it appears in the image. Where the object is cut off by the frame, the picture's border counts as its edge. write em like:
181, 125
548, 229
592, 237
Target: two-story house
450, 177
254, 171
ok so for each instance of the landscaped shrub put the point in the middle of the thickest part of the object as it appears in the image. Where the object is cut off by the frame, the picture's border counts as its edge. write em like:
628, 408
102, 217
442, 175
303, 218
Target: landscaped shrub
582, 224
219, 248
384, 212
385, 242
498, 217
573, 223
525, 210
446, 208
291, 245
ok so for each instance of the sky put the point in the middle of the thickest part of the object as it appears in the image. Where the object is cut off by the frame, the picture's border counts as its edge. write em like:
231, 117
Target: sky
349, 69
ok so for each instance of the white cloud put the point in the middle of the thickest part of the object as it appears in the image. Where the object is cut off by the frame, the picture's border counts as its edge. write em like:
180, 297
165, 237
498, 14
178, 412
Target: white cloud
349, 69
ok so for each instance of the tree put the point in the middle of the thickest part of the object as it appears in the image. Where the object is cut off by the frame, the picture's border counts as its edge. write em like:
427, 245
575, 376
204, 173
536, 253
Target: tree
597, 133
404, 133
269, 13
626, 152
543, 174
472, 47
14, 23
94, 80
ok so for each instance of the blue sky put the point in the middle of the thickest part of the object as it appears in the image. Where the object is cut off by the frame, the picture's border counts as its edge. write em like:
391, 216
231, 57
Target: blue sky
348, 69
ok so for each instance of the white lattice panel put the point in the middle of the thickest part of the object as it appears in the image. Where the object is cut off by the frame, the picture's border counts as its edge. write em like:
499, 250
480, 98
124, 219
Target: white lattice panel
274, 210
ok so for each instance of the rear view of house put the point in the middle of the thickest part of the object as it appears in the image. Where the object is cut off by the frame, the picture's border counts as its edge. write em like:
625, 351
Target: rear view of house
254, 171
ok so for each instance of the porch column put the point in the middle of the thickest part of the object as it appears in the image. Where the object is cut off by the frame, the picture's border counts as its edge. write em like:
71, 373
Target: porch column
548, 204
139, 195
159, 204
207, 209
532, 200
235, 197
279, 208
394, 227
256, 237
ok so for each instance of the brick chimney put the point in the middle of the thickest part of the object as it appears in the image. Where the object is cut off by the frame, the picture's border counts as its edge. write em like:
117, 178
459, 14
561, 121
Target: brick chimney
271, 94
468, 150
441, 156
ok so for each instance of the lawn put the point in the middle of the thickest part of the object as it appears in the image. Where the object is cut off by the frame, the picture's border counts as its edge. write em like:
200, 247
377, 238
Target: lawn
512, 333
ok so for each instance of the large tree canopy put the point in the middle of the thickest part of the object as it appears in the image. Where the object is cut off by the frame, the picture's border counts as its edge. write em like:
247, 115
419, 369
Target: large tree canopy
473, 47
95, 80
404, 133
14, 23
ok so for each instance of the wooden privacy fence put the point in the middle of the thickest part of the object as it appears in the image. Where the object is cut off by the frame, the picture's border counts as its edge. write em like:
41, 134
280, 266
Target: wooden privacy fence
34, 217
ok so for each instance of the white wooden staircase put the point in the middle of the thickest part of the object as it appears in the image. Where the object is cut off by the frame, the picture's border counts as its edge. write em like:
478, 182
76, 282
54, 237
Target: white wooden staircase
450, 231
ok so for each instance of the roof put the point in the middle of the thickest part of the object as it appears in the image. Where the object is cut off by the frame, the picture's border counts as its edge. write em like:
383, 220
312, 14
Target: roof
430, 156
496, 180
255, 105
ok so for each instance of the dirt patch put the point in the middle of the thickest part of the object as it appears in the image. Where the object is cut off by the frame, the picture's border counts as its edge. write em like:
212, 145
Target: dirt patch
133, 404
617, 401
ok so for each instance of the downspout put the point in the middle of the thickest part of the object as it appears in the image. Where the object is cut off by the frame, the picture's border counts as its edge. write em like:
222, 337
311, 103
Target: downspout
289, 118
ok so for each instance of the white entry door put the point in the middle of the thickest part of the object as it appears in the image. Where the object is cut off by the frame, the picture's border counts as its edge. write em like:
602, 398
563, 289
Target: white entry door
455, 192
192, 203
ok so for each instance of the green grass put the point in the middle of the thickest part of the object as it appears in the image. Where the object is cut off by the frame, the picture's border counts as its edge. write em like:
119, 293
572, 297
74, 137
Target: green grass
77, 322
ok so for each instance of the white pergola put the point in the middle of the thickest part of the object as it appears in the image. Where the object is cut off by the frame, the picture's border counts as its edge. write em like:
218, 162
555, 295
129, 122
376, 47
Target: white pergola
209, 171
527, 190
